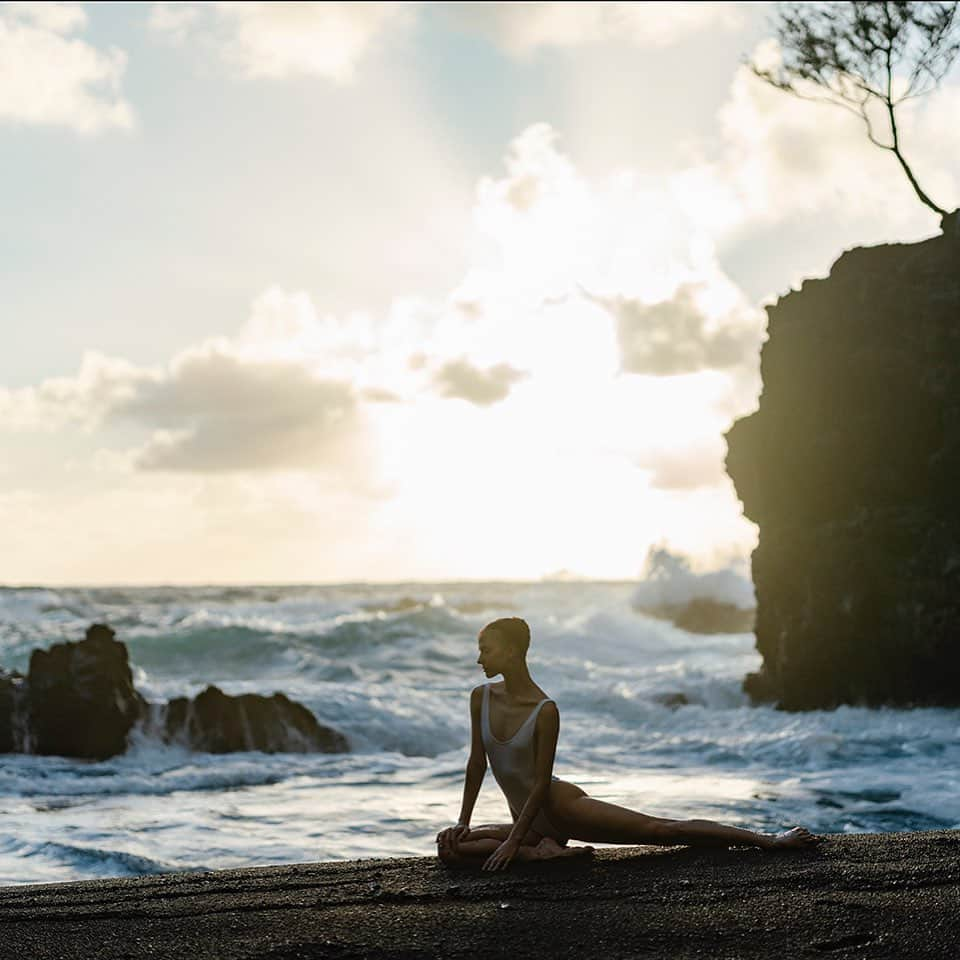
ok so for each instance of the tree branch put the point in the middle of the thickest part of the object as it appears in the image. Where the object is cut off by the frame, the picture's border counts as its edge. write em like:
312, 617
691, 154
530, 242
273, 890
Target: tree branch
854, 51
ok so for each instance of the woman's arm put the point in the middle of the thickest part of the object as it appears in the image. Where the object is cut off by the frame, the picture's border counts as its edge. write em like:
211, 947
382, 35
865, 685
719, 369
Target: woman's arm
545, 736
477, 764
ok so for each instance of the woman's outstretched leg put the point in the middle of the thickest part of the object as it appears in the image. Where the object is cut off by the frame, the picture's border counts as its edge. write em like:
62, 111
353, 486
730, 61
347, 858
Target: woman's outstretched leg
708, 833
596, 821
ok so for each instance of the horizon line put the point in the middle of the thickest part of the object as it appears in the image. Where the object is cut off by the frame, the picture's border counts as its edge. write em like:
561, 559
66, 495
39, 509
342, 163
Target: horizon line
310, 583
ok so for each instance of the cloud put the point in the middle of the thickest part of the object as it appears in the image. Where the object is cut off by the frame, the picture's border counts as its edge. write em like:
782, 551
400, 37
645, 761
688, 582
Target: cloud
688, 464
99, 385
56, 17
522, 28
290, 390
277, 396
50, 78
676, 336
630, 248
555, 228
360, 401
537, 171
278, 39
293, 388
215, 411
458, 378
173, 20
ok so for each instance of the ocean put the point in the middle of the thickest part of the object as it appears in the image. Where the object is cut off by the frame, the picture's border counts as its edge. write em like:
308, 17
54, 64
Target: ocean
391, 667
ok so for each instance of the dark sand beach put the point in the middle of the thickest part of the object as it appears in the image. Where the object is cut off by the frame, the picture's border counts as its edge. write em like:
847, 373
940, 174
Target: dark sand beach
861, 895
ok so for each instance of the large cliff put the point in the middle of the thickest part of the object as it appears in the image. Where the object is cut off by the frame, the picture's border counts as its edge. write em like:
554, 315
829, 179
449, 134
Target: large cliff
851, 469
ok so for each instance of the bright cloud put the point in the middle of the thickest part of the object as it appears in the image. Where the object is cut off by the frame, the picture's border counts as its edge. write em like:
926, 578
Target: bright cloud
565, 403
567, 249
522, 28
278, 39
173, 19
688, 464
49, 77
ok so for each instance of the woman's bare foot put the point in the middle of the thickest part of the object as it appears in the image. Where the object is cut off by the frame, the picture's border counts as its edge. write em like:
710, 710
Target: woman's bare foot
448, 853
549, 849
444, 852
473, 852
795, 838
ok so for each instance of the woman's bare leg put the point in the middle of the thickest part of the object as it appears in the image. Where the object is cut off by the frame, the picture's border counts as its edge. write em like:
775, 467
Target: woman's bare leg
480, 842
476, 851
493, 831
468, 851
596, 821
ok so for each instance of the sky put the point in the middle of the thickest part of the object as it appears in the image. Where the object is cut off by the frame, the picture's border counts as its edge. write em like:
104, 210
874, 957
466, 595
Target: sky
404, 291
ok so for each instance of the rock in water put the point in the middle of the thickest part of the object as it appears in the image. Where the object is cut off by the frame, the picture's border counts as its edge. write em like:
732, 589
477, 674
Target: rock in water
219, 723
81, 696
674, 700
850, 468
13, 718
704, 615
78, 700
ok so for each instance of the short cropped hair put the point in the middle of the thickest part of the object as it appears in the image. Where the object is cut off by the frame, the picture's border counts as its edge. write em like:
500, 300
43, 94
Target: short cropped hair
514, 631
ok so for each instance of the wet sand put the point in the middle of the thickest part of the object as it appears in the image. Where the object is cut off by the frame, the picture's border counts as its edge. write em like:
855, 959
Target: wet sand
861, 895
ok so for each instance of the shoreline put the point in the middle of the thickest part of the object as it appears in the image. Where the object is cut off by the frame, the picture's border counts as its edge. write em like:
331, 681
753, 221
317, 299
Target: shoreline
877, 895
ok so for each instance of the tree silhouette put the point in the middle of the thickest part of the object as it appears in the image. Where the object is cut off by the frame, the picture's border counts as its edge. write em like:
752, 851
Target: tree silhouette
862, 55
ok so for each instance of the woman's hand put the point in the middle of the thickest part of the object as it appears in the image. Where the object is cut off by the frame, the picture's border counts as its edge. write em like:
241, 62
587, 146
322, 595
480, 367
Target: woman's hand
453, 835
501, 857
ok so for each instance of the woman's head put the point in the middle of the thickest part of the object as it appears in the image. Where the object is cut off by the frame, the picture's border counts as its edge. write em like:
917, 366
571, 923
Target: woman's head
503, 641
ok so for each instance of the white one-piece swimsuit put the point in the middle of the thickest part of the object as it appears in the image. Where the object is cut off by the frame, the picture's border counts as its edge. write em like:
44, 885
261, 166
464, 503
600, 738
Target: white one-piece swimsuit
513, 765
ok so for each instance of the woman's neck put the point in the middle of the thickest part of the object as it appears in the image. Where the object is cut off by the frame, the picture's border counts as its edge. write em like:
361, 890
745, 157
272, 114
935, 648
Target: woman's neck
518, 683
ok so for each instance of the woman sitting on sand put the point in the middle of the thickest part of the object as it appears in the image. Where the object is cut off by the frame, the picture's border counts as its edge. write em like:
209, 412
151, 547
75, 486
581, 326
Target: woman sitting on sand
548, 811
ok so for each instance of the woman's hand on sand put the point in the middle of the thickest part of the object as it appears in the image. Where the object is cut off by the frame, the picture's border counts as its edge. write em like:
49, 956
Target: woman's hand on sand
501, 857
453, 835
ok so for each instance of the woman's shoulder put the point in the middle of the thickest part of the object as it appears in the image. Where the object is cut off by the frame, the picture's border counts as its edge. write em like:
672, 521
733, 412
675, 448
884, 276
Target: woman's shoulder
496, 688
477, 692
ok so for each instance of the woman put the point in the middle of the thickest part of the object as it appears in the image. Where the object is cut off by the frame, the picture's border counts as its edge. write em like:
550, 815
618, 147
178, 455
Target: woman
516, 724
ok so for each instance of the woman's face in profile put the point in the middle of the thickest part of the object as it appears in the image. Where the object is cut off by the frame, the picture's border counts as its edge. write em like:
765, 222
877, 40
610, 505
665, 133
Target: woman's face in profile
491, 652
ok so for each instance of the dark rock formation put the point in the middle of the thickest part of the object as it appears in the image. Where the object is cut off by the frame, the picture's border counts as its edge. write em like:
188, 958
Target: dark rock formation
82, 699
218, 723
850, 468
704, 615
677, 699
399, 605
78, 700
13, 719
